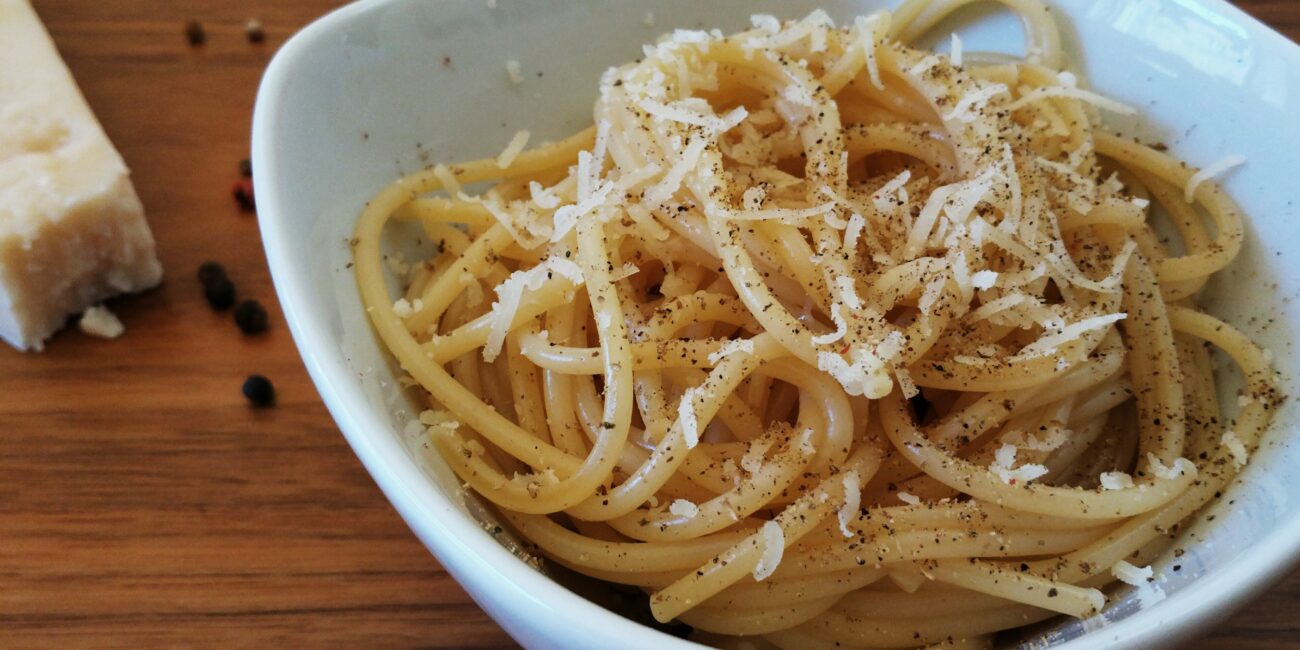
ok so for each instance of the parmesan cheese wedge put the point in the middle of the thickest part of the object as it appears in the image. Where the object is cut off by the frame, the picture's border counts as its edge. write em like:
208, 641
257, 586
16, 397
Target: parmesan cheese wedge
72, 230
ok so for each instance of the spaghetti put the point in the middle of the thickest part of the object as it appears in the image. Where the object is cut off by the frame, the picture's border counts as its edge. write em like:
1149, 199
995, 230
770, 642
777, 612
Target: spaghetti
828, 341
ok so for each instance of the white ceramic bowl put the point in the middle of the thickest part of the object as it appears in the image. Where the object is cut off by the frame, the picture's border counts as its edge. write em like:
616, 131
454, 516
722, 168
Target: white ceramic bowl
383, 86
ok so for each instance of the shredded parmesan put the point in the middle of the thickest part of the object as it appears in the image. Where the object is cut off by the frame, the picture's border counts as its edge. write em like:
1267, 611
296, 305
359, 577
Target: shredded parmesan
404, 308
909, 498
544, 197
883, 198
684, 508
510, 295
956, 55
1132, 575
852, 501
513, 149
1100, 101
849, 289
732, 347
853, 231
1181, 466
772, 538
1004, 458
865, 377
1237, 448
1213, 170
1115, 481
686, 415
968, 108
1069, 333
514, 72
841, 328
867, 29
984, 279
397, 264
752, 461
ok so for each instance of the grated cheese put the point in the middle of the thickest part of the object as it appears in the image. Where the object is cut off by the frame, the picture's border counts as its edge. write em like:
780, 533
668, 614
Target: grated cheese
1181, 466
752, 461
765, 22
404, 308
672, 180
513, 149
1215, 169
852, 501
1115, 481
909, 498
681, 111
544, 197
510, 295
684, 508
686, 415
924, 223
894, 187
866, 377
984, 279
1004, 458
772, 539
841, 328
514, 72
853, 231
1100, 101
968, 108
867, 38
1132, 575
956, 55
732, 347
1068, 334
849, 290
1235, 447
397, 264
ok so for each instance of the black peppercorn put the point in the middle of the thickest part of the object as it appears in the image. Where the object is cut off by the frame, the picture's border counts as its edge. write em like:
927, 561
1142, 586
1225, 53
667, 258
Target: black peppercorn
220, 293
210, 272
259, 390
250, 316
194, 33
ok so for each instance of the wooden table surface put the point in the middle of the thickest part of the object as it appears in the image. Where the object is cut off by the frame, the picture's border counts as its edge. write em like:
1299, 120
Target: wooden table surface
142, 502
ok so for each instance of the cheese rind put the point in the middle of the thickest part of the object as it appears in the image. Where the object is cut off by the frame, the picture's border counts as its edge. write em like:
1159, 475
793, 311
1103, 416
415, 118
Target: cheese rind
72, 230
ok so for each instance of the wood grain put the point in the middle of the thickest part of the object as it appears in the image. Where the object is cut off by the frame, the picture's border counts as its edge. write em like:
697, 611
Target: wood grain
142, 502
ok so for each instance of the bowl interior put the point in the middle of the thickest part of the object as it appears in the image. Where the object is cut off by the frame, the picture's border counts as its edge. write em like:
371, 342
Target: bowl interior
386, 87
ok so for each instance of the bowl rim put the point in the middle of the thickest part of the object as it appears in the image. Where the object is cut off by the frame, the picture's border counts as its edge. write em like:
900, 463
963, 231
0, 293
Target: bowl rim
478, 561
